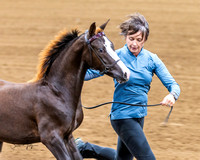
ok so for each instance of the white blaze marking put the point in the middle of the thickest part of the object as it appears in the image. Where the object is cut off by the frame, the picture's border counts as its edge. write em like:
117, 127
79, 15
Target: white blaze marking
114, 55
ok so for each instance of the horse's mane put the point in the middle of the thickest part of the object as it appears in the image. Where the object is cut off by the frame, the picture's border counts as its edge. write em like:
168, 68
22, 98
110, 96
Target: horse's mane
52, 51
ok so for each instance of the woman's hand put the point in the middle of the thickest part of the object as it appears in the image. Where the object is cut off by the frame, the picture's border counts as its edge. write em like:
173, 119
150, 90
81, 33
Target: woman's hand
169, 100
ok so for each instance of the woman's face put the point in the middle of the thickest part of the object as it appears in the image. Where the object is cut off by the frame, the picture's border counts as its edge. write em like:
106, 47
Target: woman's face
135, 42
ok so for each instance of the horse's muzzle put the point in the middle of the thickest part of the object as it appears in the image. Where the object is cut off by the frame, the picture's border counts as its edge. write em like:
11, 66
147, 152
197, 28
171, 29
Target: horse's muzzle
125, 78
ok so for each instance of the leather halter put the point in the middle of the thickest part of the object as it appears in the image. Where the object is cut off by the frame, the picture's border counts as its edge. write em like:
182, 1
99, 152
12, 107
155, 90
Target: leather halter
89, 41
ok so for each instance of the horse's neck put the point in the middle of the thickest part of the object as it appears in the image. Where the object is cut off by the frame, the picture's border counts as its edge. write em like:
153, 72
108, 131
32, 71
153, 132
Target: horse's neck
68, 70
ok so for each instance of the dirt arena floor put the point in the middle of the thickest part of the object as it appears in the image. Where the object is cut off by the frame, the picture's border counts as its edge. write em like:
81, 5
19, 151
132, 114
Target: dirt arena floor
26, 27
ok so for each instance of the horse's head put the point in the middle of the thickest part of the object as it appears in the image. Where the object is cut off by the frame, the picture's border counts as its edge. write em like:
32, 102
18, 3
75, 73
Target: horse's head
103, 56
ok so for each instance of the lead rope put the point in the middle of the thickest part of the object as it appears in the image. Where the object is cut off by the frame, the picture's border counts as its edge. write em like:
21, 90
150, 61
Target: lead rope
137, 105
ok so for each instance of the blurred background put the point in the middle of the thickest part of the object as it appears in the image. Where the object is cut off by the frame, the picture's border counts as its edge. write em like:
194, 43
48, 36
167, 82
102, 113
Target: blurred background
27, 26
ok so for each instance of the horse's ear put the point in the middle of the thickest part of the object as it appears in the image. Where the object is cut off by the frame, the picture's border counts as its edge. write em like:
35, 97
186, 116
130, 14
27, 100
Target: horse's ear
104, 25
92, 29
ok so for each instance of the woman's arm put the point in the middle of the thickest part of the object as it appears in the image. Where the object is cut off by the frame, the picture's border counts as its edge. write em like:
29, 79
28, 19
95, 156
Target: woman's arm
168, 81
91, 74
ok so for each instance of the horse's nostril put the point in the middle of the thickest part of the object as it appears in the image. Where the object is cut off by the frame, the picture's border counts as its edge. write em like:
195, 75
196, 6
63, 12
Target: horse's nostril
126, 76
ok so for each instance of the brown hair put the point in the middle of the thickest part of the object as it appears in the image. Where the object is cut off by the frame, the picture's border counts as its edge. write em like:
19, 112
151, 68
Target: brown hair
135, 23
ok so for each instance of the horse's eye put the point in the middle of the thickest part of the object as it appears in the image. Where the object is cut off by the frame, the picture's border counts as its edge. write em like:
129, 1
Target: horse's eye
100, 50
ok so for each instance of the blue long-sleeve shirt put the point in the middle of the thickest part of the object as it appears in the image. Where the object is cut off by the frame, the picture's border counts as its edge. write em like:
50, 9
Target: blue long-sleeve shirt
135, 90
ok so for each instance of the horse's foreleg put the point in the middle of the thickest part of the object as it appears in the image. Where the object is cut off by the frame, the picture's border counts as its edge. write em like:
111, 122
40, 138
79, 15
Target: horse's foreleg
56, 145
1, 145
71, 146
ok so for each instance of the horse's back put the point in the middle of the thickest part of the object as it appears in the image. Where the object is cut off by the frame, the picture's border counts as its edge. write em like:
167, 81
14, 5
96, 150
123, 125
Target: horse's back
15, 92
3, 83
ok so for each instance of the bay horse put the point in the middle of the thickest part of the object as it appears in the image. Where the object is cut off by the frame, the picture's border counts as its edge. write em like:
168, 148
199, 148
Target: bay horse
48, 108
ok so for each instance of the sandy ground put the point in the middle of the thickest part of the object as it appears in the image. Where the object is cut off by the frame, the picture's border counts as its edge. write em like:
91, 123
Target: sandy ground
27, 26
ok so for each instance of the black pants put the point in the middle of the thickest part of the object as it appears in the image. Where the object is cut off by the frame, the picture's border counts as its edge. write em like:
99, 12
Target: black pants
131, 143
90, 150
131, 140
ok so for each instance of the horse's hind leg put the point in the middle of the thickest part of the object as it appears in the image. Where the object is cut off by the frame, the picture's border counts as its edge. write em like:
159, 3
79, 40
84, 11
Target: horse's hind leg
1, 145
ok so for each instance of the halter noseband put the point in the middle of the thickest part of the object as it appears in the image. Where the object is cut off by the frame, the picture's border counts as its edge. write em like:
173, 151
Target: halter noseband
89, 41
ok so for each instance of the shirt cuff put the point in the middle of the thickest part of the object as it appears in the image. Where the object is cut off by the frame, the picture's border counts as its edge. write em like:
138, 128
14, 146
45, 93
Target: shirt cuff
175, 95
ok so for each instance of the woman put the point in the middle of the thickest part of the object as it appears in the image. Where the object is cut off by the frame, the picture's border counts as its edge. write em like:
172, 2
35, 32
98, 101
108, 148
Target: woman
128, 121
